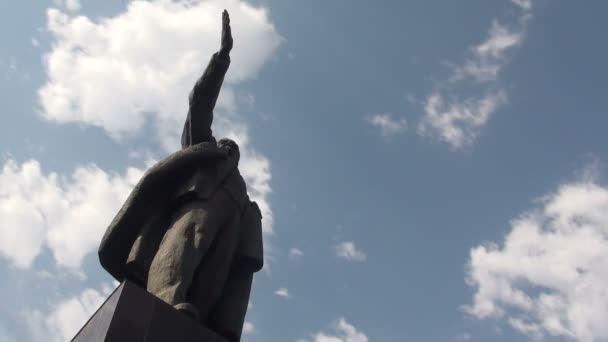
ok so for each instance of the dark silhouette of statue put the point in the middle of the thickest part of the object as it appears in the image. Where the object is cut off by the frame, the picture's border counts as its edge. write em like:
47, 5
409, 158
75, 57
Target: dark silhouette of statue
188, 232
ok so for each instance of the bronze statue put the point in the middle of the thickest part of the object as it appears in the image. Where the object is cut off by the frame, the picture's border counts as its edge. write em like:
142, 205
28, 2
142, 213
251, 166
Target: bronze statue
188, 232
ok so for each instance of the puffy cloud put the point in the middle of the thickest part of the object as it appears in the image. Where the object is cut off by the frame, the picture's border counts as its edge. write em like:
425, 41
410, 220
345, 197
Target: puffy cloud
548, 277
455, 115
282, 292
66, 317
142, 62
67, 214
387, 124
343, 332
348, 251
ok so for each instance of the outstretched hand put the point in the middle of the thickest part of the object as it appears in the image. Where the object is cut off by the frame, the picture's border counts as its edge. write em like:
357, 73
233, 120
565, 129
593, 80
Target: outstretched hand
226, 35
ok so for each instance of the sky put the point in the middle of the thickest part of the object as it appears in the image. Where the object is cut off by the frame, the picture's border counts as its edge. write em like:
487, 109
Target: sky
427, 170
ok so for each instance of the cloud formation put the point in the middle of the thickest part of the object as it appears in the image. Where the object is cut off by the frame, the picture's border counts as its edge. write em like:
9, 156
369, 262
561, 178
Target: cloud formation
388, 125
248, 328
67, 316
348, 251
548, 276
343, 332
458, 107
282, 292
70, 5
295, 253
67, 214
117, 72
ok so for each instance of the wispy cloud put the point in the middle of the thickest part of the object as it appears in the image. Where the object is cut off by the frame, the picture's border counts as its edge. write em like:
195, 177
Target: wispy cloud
70, 5
343, 332
295, 253
387, 124
282, 292
454, 111
458, 122
348, 251
524, 4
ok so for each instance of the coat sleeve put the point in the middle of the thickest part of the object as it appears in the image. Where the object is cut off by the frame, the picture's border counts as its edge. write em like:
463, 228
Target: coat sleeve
202, 100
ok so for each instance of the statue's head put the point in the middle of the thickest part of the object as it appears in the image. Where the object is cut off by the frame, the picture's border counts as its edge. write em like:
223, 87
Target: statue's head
231, 146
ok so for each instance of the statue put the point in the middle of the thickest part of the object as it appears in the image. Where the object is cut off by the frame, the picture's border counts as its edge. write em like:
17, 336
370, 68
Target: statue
188, 231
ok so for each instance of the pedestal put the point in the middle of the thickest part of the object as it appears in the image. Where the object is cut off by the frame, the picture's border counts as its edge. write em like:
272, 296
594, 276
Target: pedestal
133, 314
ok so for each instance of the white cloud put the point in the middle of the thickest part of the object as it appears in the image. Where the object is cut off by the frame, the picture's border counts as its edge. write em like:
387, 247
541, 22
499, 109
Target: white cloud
10, 69
295, 253
524, 4
282, 292
387, 124
348, 251
68, 214
140, 65
489, 57
458, 122
66, 317
453, 113
343, 332
143, 62
549, 275
70, 5
248, 328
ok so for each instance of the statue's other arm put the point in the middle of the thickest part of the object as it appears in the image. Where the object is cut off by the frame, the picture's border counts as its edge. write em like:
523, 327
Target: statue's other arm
204, 95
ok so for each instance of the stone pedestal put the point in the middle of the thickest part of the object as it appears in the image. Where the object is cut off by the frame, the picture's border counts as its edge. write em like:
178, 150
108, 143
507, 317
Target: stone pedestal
132, 314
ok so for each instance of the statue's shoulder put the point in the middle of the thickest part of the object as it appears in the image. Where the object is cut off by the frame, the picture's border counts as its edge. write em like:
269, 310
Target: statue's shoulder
255, 208
204, 150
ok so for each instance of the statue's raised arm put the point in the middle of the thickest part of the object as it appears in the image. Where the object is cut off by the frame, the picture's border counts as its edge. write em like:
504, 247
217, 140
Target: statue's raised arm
203, 96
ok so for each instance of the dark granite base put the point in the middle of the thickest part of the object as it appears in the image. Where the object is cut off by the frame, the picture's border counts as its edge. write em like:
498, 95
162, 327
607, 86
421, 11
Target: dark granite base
132, 314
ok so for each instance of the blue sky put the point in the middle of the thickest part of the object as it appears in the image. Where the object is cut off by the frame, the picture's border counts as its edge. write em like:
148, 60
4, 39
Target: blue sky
428, 170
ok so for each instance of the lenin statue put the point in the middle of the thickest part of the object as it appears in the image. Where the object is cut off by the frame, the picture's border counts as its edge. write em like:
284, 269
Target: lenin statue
188, 232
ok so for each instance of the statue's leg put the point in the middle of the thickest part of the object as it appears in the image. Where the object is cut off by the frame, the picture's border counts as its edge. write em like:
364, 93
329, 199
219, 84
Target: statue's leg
211, 275
187, 240
229, 315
